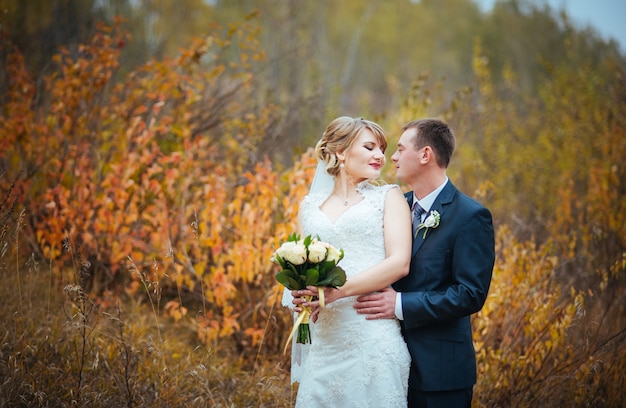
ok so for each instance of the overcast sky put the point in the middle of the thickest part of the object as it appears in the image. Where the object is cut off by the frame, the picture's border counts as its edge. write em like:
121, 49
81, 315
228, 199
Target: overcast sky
608, 17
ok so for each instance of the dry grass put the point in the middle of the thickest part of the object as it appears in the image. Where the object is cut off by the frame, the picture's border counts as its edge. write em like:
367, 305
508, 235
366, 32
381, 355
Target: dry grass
59, 347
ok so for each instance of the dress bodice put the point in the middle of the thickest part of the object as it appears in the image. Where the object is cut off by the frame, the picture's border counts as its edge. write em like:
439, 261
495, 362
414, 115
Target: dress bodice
358, 231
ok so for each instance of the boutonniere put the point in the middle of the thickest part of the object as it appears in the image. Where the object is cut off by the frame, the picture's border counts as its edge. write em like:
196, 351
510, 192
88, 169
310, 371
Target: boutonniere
432, 221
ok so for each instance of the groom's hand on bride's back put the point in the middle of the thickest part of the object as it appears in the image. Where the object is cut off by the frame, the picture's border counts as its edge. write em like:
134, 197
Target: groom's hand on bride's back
377, 305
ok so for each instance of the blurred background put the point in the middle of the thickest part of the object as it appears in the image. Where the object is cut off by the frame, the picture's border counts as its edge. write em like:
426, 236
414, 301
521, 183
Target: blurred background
326, 58
153, 154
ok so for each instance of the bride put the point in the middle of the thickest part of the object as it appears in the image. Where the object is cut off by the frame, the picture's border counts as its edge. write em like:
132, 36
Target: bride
354, 362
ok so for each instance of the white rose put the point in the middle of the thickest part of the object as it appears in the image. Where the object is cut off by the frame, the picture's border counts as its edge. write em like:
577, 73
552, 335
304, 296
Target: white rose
292, 252
432, 221
429, 222
317, 252
333, 254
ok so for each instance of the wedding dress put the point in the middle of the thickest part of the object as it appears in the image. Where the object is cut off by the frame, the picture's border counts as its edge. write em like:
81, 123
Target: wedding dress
352, 362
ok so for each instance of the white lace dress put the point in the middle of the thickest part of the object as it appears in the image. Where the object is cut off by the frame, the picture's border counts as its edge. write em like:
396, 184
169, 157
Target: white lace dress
353, 362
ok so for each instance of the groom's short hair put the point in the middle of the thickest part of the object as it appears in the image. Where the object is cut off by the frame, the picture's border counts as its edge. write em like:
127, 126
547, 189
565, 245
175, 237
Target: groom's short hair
436, 134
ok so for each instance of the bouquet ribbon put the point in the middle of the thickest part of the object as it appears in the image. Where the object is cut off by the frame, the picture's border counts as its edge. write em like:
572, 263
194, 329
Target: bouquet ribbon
304, 316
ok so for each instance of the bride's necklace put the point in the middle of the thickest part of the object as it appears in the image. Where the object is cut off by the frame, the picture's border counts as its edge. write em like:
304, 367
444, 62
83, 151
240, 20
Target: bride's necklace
346, 200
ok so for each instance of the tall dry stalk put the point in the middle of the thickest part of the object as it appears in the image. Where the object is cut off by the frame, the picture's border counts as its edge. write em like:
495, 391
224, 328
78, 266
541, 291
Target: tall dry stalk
152, 286
80, 314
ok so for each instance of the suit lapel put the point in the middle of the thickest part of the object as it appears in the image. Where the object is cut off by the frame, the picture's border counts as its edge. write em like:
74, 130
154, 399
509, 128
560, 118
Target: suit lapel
445, 197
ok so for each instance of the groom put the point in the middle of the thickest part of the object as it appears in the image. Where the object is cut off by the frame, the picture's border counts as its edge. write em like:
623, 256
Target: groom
451, 266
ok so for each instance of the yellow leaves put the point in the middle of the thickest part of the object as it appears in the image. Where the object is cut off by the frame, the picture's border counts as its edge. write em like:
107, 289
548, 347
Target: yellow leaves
179, 270
525, 314
481, 70
229, 325
618, 269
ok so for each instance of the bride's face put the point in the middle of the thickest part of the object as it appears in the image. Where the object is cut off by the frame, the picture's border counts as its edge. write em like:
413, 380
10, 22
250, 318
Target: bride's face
365, 158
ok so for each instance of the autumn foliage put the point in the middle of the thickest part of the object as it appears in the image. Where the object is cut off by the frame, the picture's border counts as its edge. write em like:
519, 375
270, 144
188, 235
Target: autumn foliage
149, 188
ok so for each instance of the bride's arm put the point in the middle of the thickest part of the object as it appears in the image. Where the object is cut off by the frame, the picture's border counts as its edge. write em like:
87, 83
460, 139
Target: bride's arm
397, 227
397, 230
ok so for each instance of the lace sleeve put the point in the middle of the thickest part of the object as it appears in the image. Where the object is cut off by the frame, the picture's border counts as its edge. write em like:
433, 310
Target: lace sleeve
287, 298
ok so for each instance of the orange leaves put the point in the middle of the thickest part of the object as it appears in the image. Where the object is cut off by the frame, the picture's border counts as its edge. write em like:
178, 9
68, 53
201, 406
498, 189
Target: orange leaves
220, 287
175, 310
162, 168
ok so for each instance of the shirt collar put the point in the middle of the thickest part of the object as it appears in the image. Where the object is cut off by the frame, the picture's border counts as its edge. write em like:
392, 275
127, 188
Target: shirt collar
428, 201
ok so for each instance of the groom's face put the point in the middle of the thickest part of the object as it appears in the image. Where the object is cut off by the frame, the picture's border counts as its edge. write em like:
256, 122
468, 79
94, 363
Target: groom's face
407, 158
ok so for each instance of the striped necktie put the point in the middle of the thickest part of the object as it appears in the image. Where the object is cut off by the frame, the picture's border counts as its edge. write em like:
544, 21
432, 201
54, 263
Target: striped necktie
417, 212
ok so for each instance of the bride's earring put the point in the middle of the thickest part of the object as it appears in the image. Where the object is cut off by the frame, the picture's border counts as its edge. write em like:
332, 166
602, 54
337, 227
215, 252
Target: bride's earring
341, 166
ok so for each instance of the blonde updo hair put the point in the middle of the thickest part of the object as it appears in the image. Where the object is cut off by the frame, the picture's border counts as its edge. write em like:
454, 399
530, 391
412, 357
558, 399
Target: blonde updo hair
340, 136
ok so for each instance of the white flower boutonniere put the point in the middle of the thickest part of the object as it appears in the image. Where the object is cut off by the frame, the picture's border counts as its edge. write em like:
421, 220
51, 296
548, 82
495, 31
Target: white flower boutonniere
432, 221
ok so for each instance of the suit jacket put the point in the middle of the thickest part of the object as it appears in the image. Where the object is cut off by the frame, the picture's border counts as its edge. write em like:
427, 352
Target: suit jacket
448, 281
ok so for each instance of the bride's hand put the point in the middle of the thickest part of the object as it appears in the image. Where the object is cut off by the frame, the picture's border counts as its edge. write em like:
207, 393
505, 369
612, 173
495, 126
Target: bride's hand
330, 295
314, 314
299, 297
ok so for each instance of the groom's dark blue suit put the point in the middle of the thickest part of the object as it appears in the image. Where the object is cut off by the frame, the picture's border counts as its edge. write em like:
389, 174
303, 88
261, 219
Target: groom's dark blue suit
448, 281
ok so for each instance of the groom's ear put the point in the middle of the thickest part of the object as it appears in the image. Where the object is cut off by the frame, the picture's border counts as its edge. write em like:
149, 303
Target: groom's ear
428, 153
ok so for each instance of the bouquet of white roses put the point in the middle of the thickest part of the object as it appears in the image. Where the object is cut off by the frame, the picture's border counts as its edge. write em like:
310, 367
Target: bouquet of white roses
308, 262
